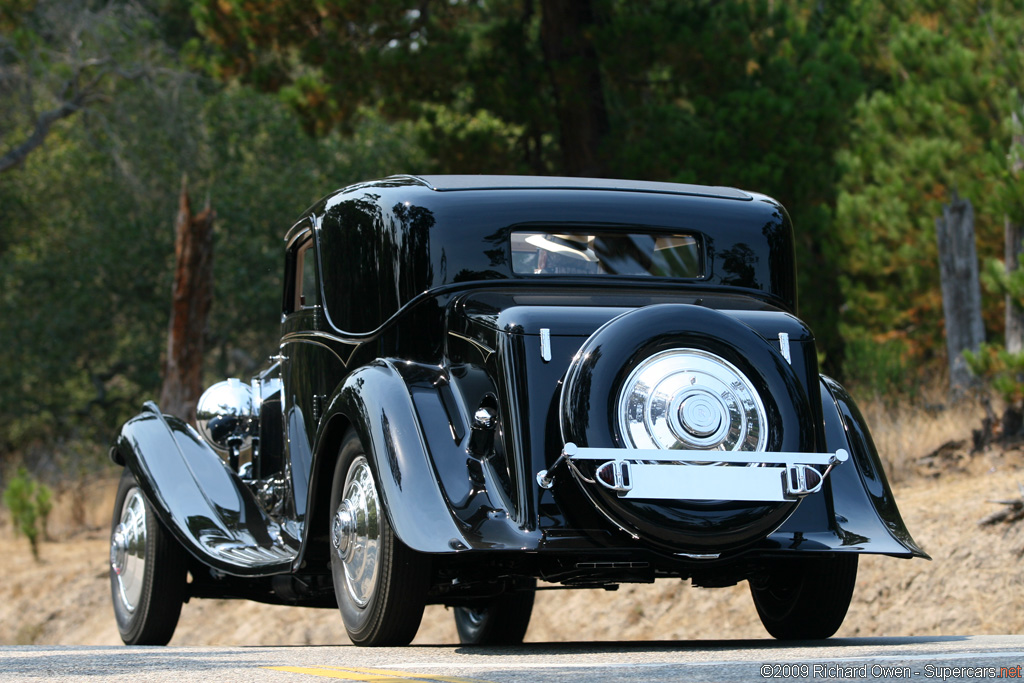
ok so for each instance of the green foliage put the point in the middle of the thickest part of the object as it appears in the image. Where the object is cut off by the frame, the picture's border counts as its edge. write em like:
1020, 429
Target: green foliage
86, 293
330, 58
861, 117
881, 370
451, 139
86, 246
998, 281
937, 124
750, 93
755, 95
1004, 370
29, 503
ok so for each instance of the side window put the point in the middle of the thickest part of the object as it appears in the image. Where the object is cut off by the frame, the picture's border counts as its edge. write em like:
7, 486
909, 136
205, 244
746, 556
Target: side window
306, 291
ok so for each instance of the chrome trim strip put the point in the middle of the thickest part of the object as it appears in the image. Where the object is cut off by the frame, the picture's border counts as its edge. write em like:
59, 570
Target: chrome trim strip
487, 351
691, 457
251, 556
699, 556
315, 339
545, 344
784, 347
301, 229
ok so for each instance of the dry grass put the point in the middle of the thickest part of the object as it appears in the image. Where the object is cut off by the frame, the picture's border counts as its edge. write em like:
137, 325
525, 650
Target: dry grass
905, 431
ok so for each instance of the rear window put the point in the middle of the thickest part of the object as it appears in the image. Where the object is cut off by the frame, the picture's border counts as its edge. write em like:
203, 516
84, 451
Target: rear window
597, 252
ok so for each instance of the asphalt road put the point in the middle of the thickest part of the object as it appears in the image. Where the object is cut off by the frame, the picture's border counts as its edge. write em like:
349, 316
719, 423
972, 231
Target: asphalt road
949, 658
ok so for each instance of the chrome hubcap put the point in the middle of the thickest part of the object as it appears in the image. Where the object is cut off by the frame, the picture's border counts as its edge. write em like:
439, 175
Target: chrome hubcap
343, 530
691, 399
701, 417
355, 532
128, 550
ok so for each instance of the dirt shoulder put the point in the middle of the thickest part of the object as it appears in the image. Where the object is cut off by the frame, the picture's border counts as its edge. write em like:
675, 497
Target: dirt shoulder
974, 585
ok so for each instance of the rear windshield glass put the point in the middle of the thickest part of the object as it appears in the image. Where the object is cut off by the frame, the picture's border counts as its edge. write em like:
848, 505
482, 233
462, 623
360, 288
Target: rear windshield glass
596, 252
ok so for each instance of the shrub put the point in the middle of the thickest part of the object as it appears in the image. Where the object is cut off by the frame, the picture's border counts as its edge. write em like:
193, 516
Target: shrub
30, 503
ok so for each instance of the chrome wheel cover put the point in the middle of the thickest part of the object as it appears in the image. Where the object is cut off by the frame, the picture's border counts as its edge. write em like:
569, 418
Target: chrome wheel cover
356, 532
128, 550
689, 399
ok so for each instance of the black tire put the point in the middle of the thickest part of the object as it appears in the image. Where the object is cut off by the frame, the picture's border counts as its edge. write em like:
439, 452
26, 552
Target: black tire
806, 598
380, 592
148, 570
500, 621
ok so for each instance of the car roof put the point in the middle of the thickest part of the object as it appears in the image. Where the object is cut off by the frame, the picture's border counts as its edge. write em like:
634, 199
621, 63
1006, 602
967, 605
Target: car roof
457, 183
403, 238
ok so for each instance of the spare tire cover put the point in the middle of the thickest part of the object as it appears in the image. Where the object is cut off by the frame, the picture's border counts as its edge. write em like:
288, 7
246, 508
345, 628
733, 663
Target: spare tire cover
590, 416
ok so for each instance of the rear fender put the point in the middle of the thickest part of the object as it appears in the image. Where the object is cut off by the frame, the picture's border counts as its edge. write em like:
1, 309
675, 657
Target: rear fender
871, 493
205, 506
376, 402
860, 511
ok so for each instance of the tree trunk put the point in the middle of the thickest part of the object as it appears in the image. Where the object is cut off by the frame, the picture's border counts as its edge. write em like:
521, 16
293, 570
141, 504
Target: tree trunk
961, 288
1014, 313
192, 296
566, 35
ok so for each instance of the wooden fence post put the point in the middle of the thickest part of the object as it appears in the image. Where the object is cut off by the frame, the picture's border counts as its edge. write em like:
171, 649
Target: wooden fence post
961, 288
192, 296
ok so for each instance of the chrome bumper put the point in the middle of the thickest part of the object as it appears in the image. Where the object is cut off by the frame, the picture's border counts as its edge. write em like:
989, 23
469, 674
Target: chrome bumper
688, 475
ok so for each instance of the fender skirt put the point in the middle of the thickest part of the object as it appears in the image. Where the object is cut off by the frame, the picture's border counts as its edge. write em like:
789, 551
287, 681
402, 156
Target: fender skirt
861, 507
205, 505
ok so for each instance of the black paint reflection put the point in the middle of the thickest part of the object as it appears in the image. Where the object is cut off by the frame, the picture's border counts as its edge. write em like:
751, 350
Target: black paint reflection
373, 259
740, 265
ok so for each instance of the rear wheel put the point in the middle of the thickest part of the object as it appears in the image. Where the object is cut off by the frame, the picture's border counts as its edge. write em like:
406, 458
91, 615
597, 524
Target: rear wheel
806, 598
500, 621
148, 570
380, 583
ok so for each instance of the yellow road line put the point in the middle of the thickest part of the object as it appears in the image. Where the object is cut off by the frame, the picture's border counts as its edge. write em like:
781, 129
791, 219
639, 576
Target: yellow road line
333, 673
409, 676
369, 675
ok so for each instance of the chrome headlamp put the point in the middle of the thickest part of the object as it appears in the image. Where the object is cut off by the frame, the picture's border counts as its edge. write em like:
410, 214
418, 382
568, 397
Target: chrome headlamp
691, 400
226, 415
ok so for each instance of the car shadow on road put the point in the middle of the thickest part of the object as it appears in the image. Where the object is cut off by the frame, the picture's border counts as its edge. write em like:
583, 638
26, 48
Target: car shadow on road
610, 647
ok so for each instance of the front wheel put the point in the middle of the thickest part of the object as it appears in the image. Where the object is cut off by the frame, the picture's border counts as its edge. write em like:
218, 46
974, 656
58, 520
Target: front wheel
500, 621
147, 570
379, 582
805, 598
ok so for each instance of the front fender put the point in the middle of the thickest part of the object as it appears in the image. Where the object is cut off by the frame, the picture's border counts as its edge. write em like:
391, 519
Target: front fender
205, 506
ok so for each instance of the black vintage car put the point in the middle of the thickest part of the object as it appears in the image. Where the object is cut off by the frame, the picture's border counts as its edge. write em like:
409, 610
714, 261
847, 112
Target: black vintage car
483, 382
